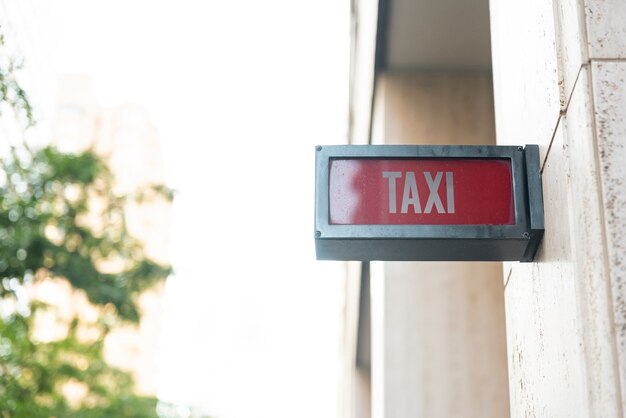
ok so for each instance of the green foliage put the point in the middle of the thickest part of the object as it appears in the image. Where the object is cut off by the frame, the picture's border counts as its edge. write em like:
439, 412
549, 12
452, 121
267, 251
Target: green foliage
33, 374
60, 218
11, 92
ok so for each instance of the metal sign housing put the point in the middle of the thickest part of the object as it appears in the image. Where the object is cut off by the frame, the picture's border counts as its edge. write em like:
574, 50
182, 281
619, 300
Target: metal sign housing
420, 203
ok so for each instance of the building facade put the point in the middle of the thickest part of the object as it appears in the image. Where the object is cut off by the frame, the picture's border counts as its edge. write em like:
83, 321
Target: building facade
564, 89
540, 339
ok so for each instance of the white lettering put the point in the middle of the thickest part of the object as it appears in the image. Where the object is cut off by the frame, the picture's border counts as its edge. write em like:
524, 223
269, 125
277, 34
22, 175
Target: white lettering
433, 198
410, 196
450, 191
392, 176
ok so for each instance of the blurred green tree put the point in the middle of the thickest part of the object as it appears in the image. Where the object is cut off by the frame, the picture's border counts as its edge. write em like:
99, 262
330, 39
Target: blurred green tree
60, 219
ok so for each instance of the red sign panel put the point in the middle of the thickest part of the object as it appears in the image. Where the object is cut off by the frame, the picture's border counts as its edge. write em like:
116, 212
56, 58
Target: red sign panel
424, 191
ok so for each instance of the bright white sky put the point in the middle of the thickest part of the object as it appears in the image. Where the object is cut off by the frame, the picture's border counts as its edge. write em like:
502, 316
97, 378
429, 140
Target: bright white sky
240, 92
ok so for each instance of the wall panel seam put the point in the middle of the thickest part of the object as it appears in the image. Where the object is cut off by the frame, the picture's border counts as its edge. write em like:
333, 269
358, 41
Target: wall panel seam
603, 229
592, 60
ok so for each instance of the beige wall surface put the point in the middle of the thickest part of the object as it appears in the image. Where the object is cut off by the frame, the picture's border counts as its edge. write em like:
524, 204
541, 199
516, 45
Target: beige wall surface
438, 337
435, 108
559, 71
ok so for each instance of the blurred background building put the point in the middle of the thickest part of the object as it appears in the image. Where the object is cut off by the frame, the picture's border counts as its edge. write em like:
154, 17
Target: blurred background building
542, 339
69, 116
125, 137
248, 89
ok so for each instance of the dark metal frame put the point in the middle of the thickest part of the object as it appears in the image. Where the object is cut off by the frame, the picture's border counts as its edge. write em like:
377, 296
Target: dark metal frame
434, 242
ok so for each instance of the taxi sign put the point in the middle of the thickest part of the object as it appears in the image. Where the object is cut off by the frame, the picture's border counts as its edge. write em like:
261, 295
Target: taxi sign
411, 203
